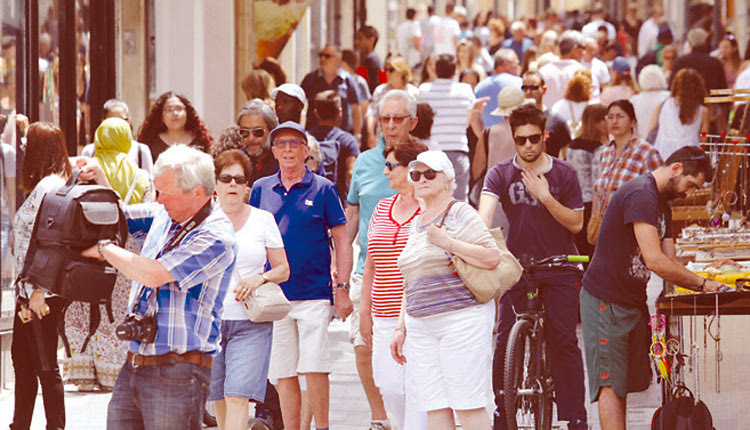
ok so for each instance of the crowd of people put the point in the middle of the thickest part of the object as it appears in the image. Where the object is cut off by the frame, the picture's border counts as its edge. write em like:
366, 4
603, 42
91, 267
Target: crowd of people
566, 130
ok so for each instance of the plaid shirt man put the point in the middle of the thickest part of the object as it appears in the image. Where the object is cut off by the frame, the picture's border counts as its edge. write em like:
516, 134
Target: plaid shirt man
638, 157
189, 310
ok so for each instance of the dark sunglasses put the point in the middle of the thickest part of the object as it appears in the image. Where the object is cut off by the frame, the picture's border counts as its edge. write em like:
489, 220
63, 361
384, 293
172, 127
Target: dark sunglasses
529, 87
416, 175
533, 138
257, 132
390, 166
226, 178
325, 55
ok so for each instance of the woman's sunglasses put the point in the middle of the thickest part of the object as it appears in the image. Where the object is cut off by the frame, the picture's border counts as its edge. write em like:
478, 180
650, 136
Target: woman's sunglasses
416, 175
227, 178
257, 132
390, 166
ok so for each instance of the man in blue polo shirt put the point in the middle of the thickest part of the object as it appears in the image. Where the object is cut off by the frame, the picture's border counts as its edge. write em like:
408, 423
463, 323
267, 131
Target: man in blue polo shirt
305, 206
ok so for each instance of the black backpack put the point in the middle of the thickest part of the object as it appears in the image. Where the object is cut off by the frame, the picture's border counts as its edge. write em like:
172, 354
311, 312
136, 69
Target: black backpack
682, 413
70, 219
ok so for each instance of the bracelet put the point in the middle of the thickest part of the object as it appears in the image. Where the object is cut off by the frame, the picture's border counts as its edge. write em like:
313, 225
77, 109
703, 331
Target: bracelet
265, 277
343, 286
100, 246
403, 329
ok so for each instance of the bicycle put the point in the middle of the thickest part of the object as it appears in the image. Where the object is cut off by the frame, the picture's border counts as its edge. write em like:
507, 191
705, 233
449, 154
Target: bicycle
528, 386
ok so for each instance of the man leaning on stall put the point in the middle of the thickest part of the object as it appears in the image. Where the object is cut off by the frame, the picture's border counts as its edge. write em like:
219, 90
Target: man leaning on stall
635, 239
182, 275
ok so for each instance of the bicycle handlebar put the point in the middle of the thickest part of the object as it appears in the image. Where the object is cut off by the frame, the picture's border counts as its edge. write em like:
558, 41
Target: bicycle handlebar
553, 261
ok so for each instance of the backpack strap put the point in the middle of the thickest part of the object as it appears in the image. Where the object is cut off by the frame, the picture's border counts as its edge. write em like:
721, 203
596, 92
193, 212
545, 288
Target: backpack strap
131, 189
65, 189
95, 317
36, 324
108, 308
61, 327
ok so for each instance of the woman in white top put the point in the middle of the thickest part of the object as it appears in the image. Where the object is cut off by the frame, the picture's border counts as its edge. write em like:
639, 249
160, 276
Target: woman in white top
654, 85
682, 116
240, 370
575, 99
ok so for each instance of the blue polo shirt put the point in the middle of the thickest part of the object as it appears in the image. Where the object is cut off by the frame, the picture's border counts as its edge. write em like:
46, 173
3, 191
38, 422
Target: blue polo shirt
304, 215
491, 87
369, 185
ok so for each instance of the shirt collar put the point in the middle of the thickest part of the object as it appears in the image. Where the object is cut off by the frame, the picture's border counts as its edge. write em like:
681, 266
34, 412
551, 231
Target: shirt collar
305, 182
551, 161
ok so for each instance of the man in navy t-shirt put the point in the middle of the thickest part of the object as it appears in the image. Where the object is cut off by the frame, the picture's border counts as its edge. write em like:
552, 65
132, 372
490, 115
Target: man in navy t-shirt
635, 238
542, 198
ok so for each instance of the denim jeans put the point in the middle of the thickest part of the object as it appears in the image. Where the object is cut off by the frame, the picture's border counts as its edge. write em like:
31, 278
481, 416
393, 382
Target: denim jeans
159, 397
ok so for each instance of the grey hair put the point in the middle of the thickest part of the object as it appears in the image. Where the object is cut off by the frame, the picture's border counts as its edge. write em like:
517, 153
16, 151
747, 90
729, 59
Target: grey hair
260, 108
193, 167
652, 78
115, 103
518, 25
504, 55
411, 102
568, 40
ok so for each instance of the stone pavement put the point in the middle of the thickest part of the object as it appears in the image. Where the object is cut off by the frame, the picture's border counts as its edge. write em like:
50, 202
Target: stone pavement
349, 409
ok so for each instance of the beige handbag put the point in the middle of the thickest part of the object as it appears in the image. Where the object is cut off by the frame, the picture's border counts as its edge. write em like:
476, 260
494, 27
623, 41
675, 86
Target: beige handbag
488, 284
266, 303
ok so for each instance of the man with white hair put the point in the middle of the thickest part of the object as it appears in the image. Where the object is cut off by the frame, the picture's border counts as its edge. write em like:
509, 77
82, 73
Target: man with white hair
557, 73
182, 275
519, 43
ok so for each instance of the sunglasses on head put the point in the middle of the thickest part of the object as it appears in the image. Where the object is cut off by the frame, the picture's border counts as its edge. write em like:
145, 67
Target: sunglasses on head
533, 138
227, 178
390, 166
416, 175
257, 132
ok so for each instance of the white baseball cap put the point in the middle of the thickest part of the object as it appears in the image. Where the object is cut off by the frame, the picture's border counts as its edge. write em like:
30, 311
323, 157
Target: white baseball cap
435, 160
293, 90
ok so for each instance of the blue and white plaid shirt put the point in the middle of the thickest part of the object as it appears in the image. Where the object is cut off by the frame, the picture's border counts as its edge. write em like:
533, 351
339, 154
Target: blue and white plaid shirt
189, 310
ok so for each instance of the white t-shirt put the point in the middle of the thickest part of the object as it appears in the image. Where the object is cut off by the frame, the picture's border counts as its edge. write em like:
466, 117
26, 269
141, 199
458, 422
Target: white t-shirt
405, 34
444, 33
259, 232
9, 166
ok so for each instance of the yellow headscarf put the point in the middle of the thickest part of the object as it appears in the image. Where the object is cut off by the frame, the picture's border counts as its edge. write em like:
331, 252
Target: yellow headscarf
111, 146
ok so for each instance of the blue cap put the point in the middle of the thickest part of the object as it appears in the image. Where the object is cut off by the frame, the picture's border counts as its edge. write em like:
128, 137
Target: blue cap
621, 65
289, 125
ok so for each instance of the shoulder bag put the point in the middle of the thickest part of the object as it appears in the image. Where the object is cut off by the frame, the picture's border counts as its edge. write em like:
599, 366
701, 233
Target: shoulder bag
266, 303
487, 284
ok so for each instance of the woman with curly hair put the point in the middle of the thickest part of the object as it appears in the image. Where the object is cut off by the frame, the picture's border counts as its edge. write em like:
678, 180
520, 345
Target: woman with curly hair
575, 99
171, 121
682, 116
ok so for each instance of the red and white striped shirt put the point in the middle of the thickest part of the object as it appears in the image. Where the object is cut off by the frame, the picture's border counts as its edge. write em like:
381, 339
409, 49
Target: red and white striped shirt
386, 240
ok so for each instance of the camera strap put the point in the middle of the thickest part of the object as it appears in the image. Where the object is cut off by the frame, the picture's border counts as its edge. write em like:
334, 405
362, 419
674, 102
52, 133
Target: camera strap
189, 226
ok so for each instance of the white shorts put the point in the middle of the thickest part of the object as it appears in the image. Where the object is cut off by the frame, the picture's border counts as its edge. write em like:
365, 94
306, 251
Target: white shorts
355, 294
450, 358
300, 340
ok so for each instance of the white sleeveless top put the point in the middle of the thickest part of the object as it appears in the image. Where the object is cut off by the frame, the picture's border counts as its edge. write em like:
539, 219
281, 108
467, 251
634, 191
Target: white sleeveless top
673, 134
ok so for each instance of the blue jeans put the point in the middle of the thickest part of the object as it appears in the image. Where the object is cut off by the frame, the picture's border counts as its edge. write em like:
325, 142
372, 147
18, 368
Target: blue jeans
159, 397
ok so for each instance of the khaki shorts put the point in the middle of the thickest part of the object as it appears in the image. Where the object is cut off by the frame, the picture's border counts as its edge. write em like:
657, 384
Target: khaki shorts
617, 340
355, 294
300, 340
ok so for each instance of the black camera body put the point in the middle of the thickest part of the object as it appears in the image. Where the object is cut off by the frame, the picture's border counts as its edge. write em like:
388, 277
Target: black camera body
138, 327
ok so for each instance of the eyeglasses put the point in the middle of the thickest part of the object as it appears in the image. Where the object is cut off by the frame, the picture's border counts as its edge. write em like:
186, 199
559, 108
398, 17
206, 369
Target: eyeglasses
416, 175
533, 138
390, 69
291, 143
257, 132
615, 116
227, 178
390, 166
529, 87
396, 119
174, 109
326, 55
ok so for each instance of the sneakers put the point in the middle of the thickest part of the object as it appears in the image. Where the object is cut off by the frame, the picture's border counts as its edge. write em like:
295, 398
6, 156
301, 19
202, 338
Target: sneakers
263, 421
379, 426
578, 425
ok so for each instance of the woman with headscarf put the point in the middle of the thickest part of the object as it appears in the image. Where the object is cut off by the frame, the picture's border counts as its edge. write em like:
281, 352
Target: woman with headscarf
97, 367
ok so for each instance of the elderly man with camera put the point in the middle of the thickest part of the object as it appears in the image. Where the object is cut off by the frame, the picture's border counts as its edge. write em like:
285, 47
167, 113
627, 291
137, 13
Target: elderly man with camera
182, 276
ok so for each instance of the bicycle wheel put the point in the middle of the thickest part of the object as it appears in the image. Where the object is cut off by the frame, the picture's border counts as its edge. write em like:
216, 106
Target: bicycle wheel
528, 399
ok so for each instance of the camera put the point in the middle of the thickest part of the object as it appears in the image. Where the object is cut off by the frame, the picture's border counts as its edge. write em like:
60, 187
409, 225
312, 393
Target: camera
137, 327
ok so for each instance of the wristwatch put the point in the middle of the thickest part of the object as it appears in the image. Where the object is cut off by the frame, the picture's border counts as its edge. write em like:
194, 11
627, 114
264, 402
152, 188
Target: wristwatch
343, 285
101, 244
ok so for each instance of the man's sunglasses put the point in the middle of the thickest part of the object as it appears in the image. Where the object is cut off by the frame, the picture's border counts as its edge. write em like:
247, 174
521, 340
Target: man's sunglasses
416, 175
529, 87
257, 132
227, 178
533, 138
325, 55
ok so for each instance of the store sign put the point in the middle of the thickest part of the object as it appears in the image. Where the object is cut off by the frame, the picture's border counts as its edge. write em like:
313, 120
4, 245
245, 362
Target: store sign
275, 21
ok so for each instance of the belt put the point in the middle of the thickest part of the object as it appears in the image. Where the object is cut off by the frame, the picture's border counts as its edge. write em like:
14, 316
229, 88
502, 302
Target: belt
170, 358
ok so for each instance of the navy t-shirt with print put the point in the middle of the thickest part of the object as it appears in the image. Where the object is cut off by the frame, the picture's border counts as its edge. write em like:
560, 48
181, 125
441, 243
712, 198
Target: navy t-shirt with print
617, 272
533, 229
